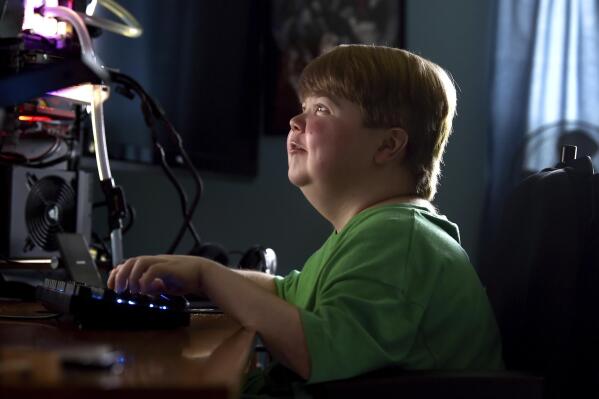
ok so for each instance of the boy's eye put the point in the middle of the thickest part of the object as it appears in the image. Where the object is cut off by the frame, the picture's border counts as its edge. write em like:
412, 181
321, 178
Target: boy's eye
315, 108
321, 108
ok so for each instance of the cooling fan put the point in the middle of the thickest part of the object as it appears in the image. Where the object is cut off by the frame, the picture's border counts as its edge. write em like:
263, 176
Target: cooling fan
51, 208
37, 203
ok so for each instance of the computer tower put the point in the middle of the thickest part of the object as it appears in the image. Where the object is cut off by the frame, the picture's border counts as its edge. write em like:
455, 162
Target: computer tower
35, 204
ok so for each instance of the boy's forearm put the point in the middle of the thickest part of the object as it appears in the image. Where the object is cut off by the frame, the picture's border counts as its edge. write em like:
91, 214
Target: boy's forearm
266, 281
251, 299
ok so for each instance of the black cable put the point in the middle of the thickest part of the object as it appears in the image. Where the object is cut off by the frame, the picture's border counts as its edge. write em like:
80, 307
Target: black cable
99, 204
187, 212
148, 109
34, 161
49, 152
176, 137
151, 112
130, 218
53, 162
195, 174
182, 196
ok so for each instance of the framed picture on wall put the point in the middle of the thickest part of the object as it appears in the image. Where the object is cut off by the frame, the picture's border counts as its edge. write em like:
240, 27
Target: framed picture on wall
300, 30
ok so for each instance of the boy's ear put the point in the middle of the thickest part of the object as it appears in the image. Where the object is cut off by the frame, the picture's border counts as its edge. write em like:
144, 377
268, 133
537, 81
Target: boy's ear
393, 146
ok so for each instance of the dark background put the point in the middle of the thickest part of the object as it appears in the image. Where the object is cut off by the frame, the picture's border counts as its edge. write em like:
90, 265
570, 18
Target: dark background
202, 61
239, 212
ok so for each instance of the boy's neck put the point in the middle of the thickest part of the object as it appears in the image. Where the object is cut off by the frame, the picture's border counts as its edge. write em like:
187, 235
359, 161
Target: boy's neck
339, 209
344, 218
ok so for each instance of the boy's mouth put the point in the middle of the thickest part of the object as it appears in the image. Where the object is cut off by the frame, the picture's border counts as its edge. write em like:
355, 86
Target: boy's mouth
294, 147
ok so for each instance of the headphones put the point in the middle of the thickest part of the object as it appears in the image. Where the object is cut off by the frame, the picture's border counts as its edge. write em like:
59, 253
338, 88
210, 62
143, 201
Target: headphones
256, 258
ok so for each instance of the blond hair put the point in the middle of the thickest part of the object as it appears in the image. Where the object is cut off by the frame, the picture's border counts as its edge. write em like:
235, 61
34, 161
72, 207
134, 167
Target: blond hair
393, 88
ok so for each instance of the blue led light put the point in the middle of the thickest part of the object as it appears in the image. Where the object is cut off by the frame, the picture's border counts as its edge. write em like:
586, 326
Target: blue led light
151, 305
119, 300
131, 302
164, 307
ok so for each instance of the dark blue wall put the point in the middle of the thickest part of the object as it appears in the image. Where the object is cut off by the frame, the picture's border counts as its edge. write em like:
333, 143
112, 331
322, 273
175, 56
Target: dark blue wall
268, 210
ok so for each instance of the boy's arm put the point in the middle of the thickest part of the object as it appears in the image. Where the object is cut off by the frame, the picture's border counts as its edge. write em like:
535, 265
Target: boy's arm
261, 310
266, 281
249, 297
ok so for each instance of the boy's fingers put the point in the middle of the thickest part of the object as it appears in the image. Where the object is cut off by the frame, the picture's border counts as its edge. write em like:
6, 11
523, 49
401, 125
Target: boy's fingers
122, 275
155, 277
110, 281
156, 287
141, 265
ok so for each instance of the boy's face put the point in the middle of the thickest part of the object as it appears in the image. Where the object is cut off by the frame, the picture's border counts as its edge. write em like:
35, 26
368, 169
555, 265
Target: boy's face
327, 145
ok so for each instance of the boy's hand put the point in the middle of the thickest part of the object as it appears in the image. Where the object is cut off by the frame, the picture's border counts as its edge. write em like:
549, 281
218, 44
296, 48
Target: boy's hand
171, 274
250, 298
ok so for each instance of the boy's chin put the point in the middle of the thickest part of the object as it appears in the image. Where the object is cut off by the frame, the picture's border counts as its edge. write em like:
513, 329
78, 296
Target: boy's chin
298, 180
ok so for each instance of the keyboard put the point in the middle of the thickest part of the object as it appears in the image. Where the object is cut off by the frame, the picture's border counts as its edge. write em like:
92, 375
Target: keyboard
95, 307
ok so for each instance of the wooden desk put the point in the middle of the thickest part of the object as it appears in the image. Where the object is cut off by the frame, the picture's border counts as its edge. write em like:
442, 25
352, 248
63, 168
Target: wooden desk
206, 359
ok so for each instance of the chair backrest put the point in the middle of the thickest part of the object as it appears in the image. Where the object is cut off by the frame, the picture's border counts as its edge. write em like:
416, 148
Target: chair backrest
542, 277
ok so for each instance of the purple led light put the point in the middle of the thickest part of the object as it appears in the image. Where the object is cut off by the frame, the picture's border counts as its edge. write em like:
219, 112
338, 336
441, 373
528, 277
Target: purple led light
36, 23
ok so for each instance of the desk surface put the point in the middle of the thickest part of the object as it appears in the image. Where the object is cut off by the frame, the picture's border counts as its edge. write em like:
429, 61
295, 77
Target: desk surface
208, 357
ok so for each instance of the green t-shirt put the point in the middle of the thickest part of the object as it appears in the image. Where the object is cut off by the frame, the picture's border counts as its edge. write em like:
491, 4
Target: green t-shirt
394, 287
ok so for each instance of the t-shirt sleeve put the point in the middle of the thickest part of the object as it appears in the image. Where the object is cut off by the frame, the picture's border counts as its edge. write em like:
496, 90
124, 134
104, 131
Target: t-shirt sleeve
365, 316
287, 286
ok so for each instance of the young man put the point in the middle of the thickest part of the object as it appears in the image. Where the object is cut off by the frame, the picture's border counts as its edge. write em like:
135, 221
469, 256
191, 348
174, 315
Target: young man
391, 285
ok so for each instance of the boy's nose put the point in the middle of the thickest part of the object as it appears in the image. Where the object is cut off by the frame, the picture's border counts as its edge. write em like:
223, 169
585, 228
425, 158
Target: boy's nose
297, 123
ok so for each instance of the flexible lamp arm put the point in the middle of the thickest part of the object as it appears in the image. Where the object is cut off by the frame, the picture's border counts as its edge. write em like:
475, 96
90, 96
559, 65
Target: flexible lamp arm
113, 194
